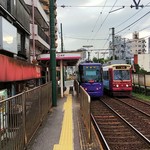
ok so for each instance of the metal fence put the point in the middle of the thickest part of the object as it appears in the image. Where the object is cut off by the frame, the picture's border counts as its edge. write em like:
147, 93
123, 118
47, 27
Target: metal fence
85, 106
141, 83
21, 115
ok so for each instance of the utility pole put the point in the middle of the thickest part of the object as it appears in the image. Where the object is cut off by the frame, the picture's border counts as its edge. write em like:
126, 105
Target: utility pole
124, 48
62, 67
88, 56
52, 8
62, 43
113, 45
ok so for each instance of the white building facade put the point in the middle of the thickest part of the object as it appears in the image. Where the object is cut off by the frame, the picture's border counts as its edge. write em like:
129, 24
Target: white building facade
144, 61
137, 45
127, 48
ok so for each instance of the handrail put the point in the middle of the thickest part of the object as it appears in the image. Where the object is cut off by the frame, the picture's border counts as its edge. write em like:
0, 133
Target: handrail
85, 106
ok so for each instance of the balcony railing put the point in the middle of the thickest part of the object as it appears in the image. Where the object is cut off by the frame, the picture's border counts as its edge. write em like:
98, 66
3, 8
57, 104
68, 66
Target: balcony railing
42, 34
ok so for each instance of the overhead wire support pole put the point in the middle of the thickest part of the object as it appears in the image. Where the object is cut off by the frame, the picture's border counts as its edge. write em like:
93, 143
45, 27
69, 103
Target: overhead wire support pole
61, 62
137, 4
113, 45
62, 44
52, 16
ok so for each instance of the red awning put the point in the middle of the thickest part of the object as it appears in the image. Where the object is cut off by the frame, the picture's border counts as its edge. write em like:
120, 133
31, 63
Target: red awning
16, 70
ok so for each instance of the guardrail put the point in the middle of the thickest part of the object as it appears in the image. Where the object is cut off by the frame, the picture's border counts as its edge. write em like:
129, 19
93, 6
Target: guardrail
21, 115
141, 83
85, 106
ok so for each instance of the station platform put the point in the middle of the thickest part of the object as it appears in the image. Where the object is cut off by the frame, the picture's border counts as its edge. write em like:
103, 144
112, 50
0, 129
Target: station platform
63, 128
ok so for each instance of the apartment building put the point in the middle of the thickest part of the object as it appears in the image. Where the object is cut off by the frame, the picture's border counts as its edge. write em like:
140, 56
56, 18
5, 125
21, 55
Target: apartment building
15, 67
127, 48
39, 28
137, 44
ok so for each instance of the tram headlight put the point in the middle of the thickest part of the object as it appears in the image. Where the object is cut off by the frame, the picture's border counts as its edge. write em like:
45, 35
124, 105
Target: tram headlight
98, 88
116, 85
127, 85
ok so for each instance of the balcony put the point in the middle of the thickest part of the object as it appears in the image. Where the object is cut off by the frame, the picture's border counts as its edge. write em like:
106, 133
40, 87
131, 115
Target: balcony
40, 14
41, 38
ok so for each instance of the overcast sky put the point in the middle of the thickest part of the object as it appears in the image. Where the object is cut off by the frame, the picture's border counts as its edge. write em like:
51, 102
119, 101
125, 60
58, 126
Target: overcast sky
91, 24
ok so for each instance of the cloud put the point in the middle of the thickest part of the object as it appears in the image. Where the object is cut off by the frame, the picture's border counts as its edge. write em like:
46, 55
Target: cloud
86, 22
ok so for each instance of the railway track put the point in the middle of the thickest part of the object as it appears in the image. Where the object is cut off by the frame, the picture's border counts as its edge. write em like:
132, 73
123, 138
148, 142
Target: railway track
120, 126
142, 106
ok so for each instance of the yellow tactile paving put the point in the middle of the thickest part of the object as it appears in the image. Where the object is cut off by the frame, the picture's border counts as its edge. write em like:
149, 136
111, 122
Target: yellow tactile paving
66, 137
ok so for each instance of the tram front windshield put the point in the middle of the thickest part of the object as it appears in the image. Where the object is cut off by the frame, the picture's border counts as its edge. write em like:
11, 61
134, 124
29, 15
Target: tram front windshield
91, 74
121, 75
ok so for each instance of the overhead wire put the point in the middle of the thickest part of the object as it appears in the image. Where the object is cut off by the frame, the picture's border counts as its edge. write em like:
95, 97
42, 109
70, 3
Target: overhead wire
63, 6
80, 38
133, 22
132, 16
99, 15
105, 44
104, 22
114, 6
128, 19
98, 19
106, 17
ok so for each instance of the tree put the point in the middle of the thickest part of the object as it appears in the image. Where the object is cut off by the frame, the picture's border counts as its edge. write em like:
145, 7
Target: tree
139, 70
95, 60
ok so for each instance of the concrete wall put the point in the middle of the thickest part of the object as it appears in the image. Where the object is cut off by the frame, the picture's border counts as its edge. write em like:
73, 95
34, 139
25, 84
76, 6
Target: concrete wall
144, 61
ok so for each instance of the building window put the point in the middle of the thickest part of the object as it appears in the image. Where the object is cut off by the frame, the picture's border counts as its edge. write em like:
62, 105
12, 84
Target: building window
21, 43
9, 5
18, 42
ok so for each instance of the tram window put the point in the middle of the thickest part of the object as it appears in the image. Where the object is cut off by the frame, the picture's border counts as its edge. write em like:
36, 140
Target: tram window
105, 75
121, 75
90, 73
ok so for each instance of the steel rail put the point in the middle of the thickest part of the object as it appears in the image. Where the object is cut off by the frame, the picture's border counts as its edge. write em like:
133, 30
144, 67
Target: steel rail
133, 128
100, 134
133, 107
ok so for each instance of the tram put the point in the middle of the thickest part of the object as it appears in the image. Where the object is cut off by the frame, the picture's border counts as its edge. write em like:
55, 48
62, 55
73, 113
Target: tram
90, 78
117, 79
